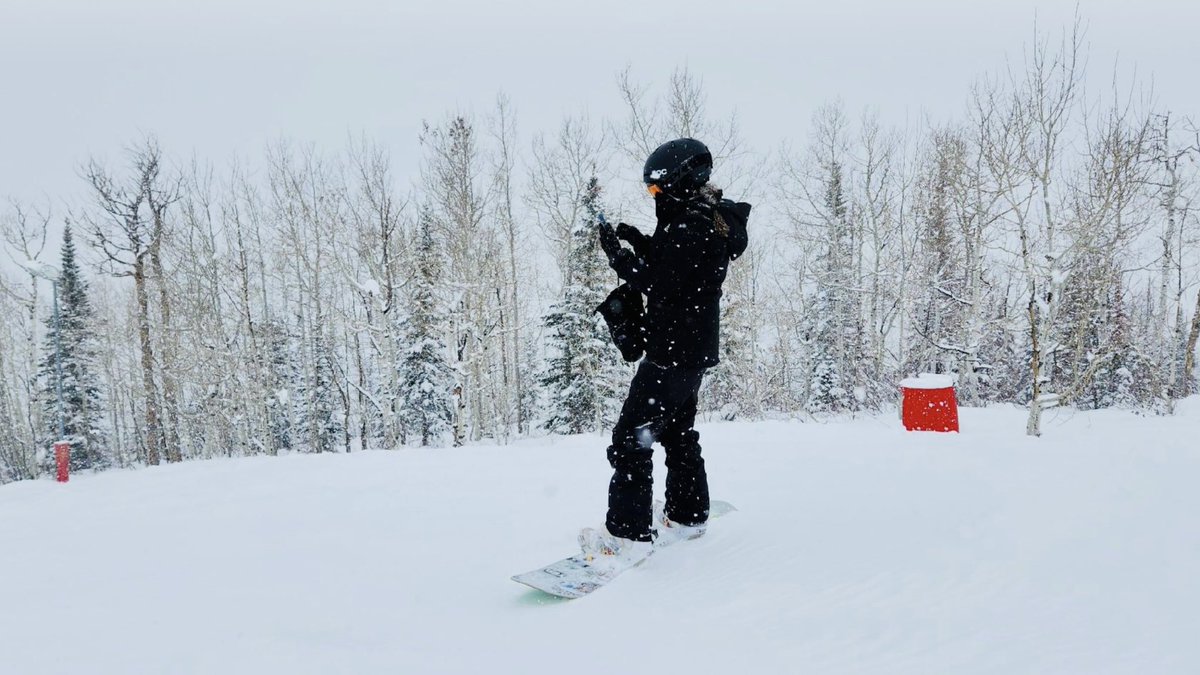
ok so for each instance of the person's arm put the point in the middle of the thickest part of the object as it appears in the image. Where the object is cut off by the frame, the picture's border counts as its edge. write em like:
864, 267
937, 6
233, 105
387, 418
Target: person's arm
628, 265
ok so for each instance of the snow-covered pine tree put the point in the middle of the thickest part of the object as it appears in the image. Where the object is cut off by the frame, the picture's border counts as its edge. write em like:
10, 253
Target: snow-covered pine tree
80, 387
282, 377
426, 377
1000, 373
832, 332
1085, 330
1125, 377
324, 426
317, 425
941, 284
827, 389
583, 370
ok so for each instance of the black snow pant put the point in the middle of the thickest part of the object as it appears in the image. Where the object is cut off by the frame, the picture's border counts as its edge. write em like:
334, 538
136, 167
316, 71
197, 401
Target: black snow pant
661, 406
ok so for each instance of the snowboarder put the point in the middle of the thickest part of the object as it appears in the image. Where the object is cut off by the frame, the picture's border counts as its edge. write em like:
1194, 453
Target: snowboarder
680, 269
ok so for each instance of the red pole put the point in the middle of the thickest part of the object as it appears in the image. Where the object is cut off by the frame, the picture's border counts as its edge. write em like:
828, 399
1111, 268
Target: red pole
62, 456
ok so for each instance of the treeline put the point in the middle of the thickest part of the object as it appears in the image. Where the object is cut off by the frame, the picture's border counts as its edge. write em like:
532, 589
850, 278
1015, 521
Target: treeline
1043, 248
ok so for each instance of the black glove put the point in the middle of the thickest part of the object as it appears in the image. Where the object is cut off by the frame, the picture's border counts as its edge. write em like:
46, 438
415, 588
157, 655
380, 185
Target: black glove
624, 262
608, 241
639, 241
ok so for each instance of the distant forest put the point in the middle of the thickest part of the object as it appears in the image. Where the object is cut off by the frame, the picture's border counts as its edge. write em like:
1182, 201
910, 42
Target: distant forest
1044, 248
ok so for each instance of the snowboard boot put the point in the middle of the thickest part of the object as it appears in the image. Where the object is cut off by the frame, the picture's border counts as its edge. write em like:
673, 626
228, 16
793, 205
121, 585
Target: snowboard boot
667, 532
606, 550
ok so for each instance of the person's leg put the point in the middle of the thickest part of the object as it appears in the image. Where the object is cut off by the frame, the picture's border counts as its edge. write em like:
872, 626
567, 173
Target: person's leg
687, 501
631, 490
656, 396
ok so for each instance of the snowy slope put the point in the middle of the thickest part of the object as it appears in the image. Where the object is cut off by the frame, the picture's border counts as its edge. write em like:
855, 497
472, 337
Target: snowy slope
858, 549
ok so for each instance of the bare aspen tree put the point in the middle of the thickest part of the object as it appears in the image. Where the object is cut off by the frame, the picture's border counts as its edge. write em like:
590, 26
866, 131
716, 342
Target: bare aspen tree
1190, 240
260, 335
346, 313
11, 463
682, 111
308, 209
1175, 201
1024, 157
217, 378
26, 232
1066, 222
882, 188
378, 279
1189, 351
980, 210
453, 180
125, 232
160, 195
511, 405
18, 461
558, 176
1105, 203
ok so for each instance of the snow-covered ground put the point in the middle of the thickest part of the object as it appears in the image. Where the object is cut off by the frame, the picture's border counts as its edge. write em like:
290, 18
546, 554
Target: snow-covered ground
858, 548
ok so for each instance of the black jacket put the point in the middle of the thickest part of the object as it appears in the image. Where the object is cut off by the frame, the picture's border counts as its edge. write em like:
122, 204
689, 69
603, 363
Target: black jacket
680, 269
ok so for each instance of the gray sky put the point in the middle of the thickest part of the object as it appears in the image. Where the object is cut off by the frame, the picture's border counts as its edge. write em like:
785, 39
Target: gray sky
218, 77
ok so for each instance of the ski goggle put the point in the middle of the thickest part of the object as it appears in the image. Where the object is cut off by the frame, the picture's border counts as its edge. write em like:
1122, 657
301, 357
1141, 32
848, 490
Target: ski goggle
654, 189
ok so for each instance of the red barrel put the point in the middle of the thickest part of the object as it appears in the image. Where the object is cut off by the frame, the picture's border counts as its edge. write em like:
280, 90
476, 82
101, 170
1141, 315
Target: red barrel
929, 403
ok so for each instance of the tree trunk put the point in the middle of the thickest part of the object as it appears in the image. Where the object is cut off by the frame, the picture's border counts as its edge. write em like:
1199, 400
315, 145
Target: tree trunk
149, 388
170, 421
1034, 426
362, 387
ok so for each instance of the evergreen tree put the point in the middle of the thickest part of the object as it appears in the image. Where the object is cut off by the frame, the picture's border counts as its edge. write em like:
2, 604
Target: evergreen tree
316, 425
1082, 326
583, 371
1125, 377
827, 390
938, 309
282, 379
832, 327
1000, 372
426, 377
322, 421
81, 398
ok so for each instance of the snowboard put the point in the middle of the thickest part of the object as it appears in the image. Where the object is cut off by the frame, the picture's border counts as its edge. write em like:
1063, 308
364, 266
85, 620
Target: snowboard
574, 576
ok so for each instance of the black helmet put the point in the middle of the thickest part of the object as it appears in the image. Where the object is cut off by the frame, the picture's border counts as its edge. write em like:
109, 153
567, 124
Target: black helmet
678, 167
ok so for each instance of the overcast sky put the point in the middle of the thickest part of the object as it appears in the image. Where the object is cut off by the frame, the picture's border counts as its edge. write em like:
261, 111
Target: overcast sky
219, 77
